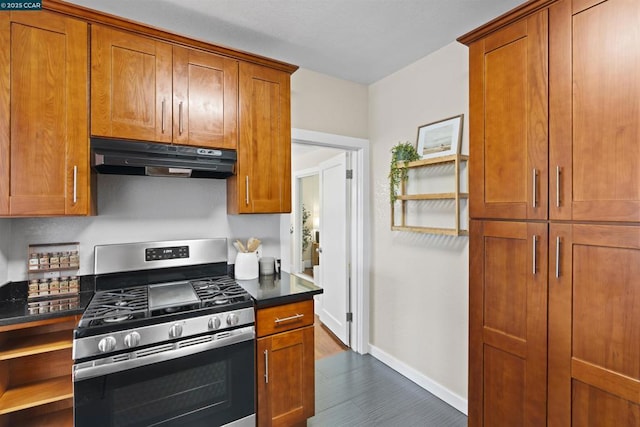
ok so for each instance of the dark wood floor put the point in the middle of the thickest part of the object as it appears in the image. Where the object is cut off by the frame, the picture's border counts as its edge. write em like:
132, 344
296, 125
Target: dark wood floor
357, 391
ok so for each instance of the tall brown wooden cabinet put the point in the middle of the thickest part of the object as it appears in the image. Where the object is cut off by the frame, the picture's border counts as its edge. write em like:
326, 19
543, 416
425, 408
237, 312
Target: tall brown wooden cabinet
555, 205
43, 105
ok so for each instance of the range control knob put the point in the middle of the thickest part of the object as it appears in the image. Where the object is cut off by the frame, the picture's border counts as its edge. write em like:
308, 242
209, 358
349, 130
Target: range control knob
107, 344
132, 339
175, 331
232, 319
214, 323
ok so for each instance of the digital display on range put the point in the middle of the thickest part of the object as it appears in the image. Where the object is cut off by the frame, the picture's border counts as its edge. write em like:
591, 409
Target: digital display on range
157, 254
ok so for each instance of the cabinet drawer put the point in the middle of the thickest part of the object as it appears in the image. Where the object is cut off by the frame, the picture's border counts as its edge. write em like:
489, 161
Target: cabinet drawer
283, 318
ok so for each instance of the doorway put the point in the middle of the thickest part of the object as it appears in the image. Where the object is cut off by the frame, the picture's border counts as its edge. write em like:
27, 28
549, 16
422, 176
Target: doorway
356, 235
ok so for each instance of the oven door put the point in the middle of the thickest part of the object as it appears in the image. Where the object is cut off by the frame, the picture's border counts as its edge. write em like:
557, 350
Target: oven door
209, 383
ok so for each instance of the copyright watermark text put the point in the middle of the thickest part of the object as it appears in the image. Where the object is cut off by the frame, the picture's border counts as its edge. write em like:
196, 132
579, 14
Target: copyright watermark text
25, 5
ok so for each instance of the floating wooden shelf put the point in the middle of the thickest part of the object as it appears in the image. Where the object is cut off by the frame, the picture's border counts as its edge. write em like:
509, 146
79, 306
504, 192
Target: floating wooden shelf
434, 196
431, 230
456, 196
35, 394
36, 344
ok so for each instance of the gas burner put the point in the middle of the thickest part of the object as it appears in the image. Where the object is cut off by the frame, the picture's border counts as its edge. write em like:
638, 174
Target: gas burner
116, 317
220, 299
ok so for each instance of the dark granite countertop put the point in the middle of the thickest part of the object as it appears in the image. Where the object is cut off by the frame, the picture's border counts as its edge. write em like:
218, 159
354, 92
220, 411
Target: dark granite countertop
273, 290
23, 311
16, 308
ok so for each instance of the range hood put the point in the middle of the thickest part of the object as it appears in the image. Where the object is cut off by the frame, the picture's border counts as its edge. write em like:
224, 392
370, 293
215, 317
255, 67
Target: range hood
121, 157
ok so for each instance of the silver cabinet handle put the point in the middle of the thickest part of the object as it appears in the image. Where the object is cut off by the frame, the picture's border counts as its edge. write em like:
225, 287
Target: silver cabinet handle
557, 186
246, 184
266, 366
286, 319
557, 256
75, 184
180, 118
162, 119
535, 189
535, 244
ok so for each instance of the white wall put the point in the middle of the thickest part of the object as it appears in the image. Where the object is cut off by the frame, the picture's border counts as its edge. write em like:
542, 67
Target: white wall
5, 239
137, 208
419, 307
326, 104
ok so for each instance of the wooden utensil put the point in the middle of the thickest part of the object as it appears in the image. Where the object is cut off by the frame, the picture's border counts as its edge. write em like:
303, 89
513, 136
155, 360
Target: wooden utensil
252, 244
241, 246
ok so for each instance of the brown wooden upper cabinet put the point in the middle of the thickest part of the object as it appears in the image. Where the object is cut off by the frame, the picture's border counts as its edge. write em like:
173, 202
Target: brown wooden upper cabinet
263, 180
149, 90
554, 115
595, 104
508, 113
43, 105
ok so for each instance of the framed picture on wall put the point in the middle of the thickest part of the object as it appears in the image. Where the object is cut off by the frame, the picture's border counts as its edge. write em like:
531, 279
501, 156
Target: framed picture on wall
441, 138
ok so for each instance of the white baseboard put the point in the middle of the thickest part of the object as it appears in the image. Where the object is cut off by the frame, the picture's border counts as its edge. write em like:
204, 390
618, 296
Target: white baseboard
423, 381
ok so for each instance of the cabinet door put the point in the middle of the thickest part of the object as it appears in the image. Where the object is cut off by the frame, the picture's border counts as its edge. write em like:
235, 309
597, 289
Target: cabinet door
263, 180
130, 86
594, 325
509, 125
286, 378
205, 99
508, 324
595, 149
43, 102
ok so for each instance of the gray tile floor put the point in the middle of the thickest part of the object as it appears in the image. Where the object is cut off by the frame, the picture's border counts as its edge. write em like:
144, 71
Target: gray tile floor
354, 390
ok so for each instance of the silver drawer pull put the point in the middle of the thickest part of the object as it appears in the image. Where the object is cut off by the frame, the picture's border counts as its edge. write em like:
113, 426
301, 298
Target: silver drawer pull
535, 187
286, 319
535, 262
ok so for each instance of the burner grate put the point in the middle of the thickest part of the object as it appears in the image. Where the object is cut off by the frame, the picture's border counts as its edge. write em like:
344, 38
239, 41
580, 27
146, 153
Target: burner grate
116, 306
218, 291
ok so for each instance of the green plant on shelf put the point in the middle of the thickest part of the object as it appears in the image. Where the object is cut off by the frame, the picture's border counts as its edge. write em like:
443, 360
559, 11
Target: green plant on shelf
401, 153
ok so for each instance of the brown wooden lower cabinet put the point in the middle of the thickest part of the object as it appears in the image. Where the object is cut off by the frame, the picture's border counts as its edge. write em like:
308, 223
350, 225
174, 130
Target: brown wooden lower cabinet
36, 388
554, 324
285, 365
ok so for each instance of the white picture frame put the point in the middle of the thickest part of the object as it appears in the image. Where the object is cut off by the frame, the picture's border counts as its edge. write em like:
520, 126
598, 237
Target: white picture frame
441, 138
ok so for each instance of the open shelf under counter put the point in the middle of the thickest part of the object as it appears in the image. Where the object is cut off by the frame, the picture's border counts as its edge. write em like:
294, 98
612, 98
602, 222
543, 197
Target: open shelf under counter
35, 394
36, 344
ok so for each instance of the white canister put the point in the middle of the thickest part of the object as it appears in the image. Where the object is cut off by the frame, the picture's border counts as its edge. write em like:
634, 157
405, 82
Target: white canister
267, 265
246, 267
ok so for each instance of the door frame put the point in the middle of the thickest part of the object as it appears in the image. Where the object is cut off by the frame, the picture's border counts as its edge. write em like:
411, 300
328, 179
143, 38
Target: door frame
359, 252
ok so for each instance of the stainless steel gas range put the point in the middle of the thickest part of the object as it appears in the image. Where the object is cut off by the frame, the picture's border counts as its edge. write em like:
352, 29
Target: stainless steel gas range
168, 339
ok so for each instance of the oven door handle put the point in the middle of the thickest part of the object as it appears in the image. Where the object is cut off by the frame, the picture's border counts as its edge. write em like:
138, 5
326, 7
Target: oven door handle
160, 353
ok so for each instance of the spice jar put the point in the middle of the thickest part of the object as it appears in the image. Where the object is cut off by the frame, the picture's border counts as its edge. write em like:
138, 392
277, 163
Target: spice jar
74, 259
64, 259
73, 284
54, 260
64, 285
43, 287
34, 261
44, 261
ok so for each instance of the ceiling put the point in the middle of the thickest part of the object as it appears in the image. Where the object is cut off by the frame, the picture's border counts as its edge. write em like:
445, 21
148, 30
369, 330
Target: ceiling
357, 40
